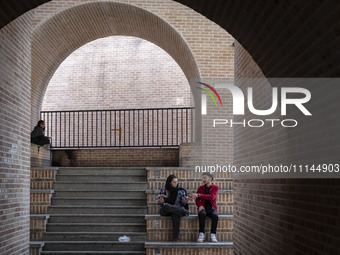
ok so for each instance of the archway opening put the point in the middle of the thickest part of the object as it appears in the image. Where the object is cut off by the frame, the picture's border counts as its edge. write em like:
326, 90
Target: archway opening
117, 72
118, 82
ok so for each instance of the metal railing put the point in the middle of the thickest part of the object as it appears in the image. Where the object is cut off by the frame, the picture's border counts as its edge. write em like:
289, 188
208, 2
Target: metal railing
157, 127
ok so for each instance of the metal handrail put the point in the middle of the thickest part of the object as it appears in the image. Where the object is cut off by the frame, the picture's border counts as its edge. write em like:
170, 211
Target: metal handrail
145, 127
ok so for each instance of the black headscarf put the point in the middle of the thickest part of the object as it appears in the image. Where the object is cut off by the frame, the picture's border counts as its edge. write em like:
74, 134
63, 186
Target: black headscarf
172, 192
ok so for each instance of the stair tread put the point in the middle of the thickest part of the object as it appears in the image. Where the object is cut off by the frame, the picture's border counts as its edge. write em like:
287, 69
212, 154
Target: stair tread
97, 224
187, 244
193, 216
101, 182
96, 198
93, 252
45, 191
220, 191
101, 233
97, 215
97, 233
87, 242
36, 244
102, 190
39, 216
98, 206
105, 167
102, 174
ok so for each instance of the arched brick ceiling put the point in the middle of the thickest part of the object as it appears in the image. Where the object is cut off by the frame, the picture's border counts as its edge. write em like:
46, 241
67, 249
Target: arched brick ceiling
11, 9
65, 32
286, 38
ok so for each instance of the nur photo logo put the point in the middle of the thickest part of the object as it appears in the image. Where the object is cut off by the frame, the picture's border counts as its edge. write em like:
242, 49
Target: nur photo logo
295, 96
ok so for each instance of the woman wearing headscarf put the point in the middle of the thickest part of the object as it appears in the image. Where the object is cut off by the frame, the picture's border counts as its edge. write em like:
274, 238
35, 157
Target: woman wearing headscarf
173, 202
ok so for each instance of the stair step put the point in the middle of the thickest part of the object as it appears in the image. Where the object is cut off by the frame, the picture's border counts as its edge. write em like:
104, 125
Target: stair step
36, 244
95, 227
190, 217
97, 218
131, 171
101, 177
186, 245
93, 236
68, 209
189, 228
98, 201
95, 193
220, 191
100, 186
93, 252
93, 246
153, 208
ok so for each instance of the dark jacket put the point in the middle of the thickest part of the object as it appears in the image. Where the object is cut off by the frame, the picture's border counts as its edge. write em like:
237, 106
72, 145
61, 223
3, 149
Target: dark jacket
175, 197
200, 201
38, 137
37, 131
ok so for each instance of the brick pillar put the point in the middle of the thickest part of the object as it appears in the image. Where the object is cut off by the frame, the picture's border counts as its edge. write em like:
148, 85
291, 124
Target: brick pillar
15, 94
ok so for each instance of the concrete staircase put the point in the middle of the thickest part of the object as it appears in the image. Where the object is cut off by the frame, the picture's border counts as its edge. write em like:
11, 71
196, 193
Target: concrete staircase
92, 207
88, 209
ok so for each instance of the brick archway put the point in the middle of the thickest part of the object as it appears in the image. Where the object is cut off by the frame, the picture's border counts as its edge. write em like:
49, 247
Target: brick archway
59, 36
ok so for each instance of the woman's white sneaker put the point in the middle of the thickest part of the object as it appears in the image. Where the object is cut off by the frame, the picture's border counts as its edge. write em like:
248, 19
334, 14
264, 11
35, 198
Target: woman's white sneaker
213, 238
200, 237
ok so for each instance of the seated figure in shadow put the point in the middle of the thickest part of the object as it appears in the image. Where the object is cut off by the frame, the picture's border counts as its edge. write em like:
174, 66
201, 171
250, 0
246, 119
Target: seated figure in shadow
37, 135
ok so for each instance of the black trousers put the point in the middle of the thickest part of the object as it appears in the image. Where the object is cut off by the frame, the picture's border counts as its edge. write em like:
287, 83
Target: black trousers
214, 218
176, 213
40, 140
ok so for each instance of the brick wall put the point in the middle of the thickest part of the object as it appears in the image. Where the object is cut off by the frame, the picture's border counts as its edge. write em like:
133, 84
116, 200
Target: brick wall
38, 227
40, 156
117, 73
184, 155
171, 251
41, 184
14, 129
126, 157
281, 216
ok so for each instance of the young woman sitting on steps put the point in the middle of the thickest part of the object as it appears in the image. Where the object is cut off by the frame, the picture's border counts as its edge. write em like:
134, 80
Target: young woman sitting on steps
173, 201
